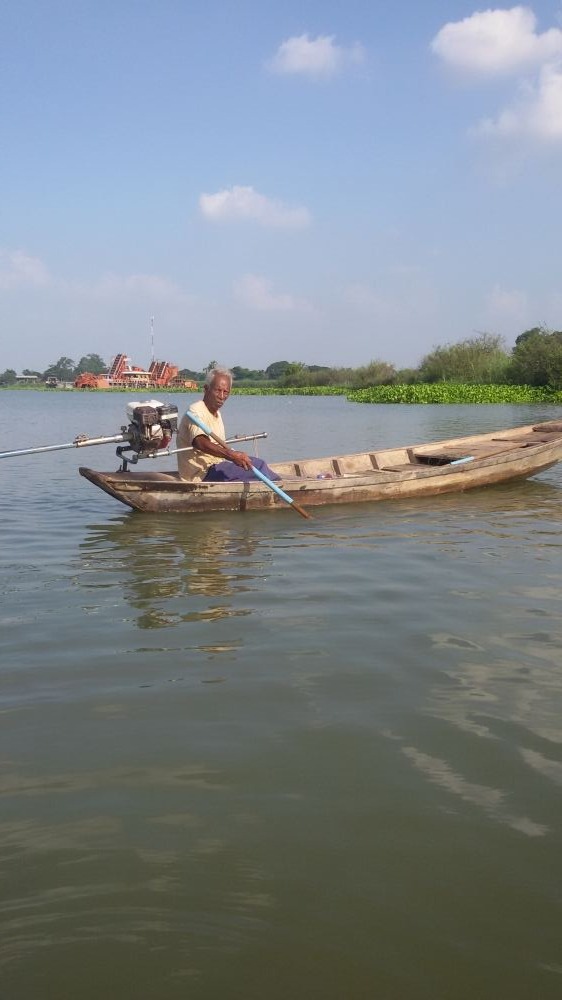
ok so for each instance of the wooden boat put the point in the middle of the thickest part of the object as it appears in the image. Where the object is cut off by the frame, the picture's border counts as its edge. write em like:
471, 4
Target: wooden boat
421, 470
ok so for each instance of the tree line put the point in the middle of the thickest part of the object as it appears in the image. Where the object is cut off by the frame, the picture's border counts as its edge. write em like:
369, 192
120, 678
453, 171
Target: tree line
63, 370
534, 360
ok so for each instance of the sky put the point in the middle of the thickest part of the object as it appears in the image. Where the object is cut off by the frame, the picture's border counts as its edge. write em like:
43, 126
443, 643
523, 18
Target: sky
245, 181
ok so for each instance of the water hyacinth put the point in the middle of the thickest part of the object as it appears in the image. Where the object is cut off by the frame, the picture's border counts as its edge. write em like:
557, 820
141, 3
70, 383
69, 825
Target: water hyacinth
454, 392
422, 392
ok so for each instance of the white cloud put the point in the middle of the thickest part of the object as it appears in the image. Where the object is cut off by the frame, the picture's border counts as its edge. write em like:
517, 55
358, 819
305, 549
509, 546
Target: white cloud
494, 42
537, 114
150, 286
317, 58
19, 270
243, 203
51, 314
256, 292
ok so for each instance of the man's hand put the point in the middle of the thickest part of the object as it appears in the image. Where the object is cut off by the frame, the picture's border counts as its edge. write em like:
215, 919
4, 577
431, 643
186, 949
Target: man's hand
222, 451
241, 458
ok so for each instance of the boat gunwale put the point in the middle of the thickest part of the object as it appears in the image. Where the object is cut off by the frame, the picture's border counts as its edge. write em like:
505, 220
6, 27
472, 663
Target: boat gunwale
171, 482
144, 491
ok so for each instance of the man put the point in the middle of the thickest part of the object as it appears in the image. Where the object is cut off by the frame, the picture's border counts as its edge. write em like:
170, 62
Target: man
209, 460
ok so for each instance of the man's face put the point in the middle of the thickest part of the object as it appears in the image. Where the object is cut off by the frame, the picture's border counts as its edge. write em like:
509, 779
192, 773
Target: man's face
217, 393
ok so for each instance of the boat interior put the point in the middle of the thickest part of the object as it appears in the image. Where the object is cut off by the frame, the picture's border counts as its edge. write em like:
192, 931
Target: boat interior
441, 453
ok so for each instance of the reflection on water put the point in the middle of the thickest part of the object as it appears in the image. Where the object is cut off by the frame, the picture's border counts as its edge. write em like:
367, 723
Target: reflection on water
490, 800
168, 569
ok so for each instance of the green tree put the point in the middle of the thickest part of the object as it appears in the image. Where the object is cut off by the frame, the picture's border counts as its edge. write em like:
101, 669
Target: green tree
276, 370
375, 373
296, 374
407, 376
91, 363
63, 369
537, 359
480, 359
321, 375
529, 333
247, 374
8, 377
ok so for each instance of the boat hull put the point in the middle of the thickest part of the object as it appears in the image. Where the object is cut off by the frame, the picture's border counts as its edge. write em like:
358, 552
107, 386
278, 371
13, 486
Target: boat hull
449, 466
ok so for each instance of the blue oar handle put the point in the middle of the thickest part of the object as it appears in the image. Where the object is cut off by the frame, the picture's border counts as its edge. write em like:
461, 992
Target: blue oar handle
260, 475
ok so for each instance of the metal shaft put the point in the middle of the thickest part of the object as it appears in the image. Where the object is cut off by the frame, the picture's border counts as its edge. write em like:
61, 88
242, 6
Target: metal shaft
84, 442
79, 442
174, 451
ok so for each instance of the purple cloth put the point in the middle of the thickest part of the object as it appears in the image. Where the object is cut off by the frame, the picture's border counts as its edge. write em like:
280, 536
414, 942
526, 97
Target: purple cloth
231, 473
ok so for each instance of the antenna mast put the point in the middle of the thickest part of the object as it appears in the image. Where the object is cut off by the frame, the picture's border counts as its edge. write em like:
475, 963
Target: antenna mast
152, 337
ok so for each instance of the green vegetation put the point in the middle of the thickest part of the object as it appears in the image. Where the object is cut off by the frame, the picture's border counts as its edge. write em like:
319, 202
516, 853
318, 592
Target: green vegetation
89, 363
455, 392
481, 359
441, 392
477, 370
537, 358
63, 370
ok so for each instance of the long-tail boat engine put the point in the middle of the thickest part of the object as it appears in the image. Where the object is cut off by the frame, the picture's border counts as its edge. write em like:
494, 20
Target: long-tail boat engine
147, 435
151, 426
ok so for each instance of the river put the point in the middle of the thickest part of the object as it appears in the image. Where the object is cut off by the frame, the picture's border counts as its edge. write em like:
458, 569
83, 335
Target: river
251, 756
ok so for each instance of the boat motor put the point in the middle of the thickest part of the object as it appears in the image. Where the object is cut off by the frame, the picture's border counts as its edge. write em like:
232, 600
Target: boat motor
147, 435
151, 426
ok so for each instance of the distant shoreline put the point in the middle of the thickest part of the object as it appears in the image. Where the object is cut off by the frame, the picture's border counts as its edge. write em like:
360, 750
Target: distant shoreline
444, 393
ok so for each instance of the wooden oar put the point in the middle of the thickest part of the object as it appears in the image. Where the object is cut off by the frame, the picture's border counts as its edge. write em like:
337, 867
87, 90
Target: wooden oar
268, 482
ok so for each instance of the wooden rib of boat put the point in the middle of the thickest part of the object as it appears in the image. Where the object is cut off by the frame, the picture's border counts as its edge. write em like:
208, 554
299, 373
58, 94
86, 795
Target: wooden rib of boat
449, 466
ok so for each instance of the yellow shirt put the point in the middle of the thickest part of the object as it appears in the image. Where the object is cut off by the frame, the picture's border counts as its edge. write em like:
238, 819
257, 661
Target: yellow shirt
194, 465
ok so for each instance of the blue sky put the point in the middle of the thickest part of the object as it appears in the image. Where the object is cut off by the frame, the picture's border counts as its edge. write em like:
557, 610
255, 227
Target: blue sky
310, 181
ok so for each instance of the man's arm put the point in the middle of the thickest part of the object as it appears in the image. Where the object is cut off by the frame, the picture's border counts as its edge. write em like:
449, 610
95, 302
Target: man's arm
222, 451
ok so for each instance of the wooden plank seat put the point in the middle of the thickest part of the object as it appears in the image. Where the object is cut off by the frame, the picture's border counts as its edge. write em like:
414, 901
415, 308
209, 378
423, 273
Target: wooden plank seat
354, 465
530, 439
405, 467
453, 454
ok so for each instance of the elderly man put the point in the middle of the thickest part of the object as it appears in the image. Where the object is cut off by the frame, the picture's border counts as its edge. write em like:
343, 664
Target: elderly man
209, 460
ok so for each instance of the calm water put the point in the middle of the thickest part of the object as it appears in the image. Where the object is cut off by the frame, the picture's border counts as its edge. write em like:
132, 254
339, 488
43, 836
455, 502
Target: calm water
251, 756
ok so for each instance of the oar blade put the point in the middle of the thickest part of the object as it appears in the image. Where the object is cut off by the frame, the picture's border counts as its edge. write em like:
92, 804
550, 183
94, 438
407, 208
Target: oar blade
300, 510
281, 493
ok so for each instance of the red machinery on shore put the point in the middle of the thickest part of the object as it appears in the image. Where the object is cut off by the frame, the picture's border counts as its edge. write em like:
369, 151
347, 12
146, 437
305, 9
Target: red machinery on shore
123, 375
